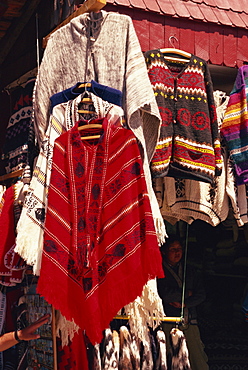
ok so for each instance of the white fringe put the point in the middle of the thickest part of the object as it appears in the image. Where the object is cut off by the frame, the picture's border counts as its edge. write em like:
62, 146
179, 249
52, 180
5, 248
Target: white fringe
65, 329
146, 310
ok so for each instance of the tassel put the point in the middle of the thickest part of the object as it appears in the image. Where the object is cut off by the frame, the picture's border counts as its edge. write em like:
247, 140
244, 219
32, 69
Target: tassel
180, 354
125, 354
97, 357
110, 360
161, 362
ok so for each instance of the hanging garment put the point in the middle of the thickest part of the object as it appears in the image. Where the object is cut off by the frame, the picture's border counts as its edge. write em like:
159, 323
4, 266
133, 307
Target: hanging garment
30, 227
96, 361
161, 362
102, 47
116, 343
100, 245
147, 360
74, 355
135, 351
110, 361
145, 311
242, 196
189, 200
125, 353
107, 93
180, 354
18, 150
189, 144
234, 127
2, 321
159, 186
11, 265
95, 42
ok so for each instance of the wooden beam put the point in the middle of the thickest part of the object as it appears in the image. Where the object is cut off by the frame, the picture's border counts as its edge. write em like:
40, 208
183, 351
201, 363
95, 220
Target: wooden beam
87, 6
7, 42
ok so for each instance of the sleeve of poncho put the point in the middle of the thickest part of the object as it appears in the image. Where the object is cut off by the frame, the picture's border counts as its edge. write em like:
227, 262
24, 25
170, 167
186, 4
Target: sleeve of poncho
142, 110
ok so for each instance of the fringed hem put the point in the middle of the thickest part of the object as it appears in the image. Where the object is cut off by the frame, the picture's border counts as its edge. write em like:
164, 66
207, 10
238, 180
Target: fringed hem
65, 329
146, 310
30, 252
94, 312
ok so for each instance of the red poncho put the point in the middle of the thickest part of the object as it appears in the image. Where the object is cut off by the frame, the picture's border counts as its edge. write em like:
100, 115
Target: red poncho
100, 245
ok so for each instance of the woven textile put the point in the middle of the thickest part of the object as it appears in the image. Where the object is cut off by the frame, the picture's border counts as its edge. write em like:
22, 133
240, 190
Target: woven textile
112, 56
2, 321
189, 145
18, 147
235, 126
12, 265
30, 227
104, 92
100, 244
74, 355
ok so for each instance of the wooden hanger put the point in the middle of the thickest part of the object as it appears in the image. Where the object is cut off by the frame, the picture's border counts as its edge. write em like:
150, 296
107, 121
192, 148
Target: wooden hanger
10, 175
87, 126
87, 6
84, 85
85, 99
179, 52
84, 111
90, 125
174, 54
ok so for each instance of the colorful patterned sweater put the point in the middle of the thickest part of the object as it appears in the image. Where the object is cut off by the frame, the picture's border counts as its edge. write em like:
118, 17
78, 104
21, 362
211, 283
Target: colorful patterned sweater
235, 126
189, 145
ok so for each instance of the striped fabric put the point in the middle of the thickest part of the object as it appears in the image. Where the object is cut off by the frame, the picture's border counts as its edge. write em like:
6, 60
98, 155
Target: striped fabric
235, 126
30, 228
100, 244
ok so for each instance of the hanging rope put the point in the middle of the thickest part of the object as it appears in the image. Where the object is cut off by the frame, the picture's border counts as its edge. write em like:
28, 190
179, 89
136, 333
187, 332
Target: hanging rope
184, 270
37, 40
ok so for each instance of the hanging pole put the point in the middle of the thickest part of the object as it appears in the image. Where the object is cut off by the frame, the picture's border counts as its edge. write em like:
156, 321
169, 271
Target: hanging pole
177, 320
184, 270
37, 40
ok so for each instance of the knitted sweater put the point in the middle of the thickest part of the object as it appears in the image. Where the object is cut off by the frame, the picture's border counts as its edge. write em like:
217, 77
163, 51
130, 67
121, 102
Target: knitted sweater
189, 144
188, 200
107, 51
235, 126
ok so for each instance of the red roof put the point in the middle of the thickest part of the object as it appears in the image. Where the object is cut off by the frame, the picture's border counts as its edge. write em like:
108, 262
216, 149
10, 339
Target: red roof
222, 12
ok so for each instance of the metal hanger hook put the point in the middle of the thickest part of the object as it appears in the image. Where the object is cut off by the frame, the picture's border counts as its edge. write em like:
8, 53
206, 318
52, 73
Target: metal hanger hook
170, 40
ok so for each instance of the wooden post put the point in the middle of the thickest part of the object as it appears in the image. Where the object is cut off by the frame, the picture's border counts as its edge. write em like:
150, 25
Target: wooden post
55, 364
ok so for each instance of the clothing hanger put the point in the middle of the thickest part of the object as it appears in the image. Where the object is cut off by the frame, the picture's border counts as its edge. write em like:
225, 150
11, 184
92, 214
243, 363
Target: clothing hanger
175, 55
85, 85
10, 175
85, 98
176, 320
90, 126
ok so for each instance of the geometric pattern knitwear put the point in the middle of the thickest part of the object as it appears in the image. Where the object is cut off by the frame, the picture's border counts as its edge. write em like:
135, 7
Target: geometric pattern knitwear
189, 144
